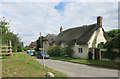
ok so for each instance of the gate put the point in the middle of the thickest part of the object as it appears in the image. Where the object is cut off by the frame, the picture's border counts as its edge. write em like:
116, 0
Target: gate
97, 54
6, 49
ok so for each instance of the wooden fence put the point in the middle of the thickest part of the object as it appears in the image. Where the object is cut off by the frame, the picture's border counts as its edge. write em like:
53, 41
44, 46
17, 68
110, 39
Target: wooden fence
6, 49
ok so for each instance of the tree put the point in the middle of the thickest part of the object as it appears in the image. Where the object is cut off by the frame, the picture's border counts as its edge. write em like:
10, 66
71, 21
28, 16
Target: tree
3, 29
3, 25
113, 43
6, 35
112, 33
39, 43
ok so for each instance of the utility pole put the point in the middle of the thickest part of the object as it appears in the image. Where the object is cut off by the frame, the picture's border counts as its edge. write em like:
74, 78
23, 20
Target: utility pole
42, 50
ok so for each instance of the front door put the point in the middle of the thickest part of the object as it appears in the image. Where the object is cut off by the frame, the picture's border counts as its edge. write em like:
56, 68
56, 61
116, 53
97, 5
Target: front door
97, 55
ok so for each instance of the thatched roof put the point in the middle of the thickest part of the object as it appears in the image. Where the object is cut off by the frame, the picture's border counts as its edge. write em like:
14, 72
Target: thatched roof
50, 38
80, 35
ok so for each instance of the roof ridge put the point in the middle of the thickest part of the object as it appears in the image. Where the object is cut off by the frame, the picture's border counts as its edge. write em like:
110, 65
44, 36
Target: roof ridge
86, 30
81, 26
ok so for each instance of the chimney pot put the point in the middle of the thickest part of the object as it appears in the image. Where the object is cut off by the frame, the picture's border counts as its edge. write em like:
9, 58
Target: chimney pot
61, 29
99, 21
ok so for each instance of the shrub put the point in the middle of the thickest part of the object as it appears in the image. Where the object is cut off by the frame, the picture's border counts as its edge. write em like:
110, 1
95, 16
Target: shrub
57, 51
118, 54
101, 44
109, 54
90, 54
54, 51
67, 51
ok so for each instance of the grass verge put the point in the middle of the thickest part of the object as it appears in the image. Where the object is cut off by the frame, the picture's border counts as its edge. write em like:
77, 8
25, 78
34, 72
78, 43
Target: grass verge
101, 63
23, 65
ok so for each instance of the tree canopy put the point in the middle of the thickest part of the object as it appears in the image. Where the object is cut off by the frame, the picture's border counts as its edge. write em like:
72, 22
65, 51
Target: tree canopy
6, 35
112, 33
39, 43
114, 42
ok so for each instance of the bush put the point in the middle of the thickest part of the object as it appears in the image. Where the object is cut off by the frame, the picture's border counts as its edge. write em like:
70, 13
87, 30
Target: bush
54, 51
66, 51
109, 54
101, 45
90, 55
57, 51
118, 54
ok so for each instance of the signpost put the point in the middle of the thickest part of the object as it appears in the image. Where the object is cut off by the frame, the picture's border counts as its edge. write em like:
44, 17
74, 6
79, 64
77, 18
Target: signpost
42, 50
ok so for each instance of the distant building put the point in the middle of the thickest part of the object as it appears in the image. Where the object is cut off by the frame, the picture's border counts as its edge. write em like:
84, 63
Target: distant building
33, 44
49, 41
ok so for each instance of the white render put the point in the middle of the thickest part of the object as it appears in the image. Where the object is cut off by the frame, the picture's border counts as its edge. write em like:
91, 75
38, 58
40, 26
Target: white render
82, 55
97, 37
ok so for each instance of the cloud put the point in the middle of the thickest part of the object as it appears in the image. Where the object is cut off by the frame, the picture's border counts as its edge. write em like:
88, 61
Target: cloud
60, 0
28, 19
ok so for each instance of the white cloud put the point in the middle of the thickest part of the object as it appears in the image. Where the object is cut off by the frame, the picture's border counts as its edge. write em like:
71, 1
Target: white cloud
60, 0
29, 19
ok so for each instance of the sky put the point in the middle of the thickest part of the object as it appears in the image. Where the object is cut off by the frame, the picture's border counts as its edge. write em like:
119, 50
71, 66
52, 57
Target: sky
28, 19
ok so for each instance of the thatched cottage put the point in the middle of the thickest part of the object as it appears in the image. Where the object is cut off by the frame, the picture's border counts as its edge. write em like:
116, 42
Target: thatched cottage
81, 39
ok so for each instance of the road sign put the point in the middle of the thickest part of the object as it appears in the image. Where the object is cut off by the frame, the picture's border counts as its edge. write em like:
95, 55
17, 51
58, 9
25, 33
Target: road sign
40, 48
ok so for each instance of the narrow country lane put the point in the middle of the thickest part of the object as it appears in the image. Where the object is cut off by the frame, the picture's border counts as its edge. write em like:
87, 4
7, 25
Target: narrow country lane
79, 70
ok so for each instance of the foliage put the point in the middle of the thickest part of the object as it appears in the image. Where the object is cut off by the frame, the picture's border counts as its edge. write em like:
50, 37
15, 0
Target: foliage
57, 51
66, 51
7, 35
111, 34
54, 51
118, 54
101, 45
39, 43
90, 54
114, 43
3, 25
109, 54
26, 48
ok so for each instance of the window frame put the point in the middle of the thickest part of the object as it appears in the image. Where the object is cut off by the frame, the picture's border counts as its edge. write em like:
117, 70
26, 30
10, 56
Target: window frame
80, 50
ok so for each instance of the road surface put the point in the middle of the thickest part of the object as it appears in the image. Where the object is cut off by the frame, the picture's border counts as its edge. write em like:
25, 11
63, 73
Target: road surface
79, 70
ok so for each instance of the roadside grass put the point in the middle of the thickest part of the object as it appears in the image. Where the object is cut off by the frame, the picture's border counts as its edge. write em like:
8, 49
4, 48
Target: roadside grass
109, 64
23, 65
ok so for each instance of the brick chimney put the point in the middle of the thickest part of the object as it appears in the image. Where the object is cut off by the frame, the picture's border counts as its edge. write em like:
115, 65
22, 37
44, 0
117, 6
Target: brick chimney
99, 21
61, 29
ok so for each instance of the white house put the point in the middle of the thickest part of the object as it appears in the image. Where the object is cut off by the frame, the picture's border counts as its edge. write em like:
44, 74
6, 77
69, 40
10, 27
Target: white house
82, 39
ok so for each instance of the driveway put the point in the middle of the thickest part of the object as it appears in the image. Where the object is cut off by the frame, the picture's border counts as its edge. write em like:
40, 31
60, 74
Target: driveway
79, 70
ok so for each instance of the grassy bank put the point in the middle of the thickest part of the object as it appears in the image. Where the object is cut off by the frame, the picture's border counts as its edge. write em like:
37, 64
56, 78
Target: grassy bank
109, 64
23, 65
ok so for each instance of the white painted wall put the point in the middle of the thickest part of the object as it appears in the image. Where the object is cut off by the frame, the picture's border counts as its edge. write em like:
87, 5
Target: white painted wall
83, 55
97, 37
100, 37
45, 45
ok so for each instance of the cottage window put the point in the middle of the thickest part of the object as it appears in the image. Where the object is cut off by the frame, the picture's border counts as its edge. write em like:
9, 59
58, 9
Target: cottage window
80, 50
